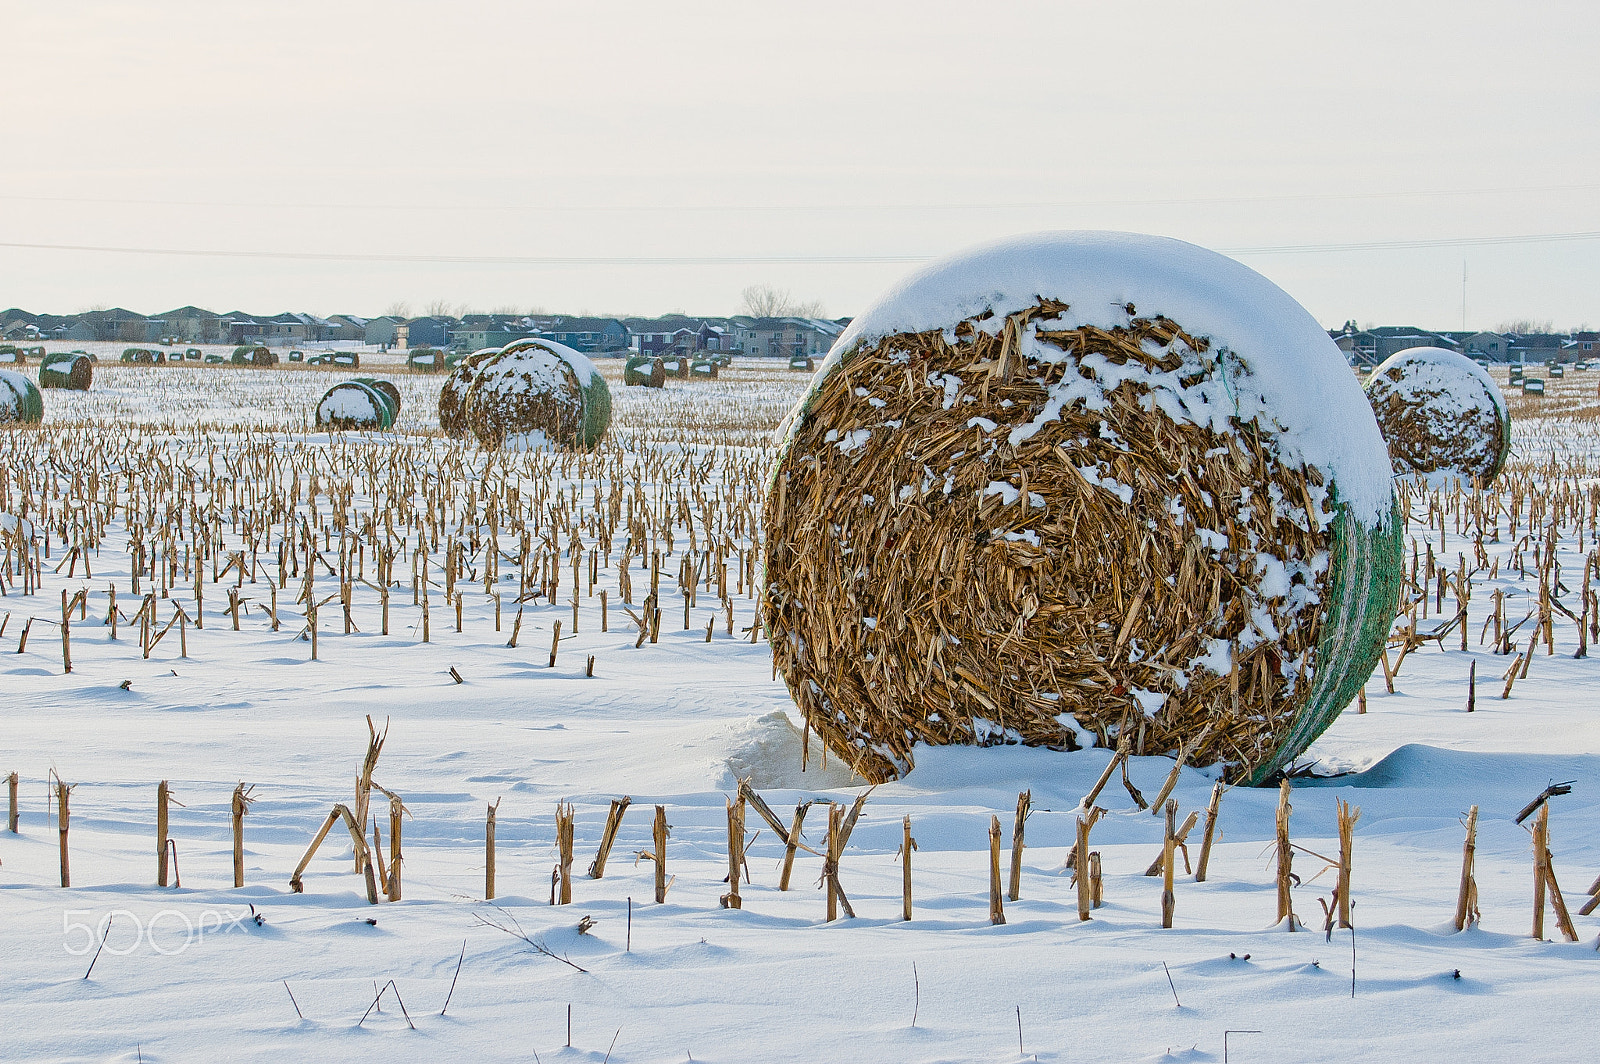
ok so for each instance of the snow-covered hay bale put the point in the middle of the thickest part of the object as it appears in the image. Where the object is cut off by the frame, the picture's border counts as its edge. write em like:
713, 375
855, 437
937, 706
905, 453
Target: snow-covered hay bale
645, 372
20, 401
355, 405
1081, 485
73, 370
538, 388
453, 394
1440, 413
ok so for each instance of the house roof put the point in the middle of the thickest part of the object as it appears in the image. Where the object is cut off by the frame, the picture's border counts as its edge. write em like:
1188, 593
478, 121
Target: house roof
581, 325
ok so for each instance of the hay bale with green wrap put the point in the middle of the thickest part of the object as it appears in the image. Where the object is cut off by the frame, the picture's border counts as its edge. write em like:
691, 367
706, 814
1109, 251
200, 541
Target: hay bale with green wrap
1078, 487
537, 393
20, 401
1441, 415
356, 404
644, 371
73, 370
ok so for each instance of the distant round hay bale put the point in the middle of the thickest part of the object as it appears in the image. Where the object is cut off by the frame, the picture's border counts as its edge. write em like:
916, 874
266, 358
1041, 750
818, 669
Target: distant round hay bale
355, 404
426, 359
1080, 485
644, 371
254, 355
453, 394
20, 401
540, 392
12, 355
1440, 413
73, 370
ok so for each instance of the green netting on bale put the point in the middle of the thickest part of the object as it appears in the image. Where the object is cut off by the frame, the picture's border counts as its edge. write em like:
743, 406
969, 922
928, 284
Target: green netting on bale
1364, 593
20, 399
390, 393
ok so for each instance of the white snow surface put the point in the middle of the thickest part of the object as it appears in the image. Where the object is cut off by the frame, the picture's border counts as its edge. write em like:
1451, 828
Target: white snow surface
187, 975
1439, 377
1303, 381
535, 352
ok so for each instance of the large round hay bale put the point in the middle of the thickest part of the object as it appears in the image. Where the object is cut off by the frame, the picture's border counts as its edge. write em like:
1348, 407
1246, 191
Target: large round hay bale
67, 369
1441, 414
644, 371
20, 401
453, 394
541, 393
355, 405
1081, 485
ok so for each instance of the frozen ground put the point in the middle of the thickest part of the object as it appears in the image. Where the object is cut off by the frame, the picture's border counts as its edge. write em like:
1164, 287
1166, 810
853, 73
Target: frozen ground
185, 975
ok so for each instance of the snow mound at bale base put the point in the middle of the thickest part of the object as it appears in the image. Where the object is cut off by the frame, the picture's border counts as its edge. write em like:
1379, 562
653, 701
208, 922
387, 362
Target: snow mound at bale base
767, 751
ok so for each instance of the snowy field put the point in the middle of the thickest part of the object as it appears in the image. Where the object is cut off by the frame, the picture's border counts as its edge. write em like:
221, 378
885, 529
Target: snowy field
186, 974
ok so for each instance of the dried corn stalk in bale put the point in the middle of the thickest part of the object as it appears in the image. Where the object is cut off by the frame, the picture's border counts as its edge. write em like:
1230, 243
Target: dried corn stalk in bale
1441, 414
538, 393
73, 370
1081, 483
20, 401
355, 405
453, 395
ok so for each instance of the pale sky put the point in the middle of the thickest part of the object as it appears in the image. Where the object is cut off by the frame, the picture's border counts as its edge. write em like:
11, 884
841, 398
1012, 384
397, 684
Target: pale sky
621, 157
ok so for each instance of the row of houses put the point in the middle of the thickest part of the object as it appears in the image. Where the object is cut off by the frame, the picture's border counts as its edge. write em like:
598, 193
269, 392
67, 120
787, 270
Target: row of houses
1370, 346
669, 334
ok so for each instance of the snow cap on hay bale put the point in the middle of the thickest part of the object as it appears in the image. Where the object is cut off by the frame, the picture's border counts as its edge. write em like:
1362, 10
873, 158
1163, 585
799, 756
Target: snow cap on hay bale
1440, 413
537, 392
453, 394
355, 405
20, 400
67, 369
1089, 481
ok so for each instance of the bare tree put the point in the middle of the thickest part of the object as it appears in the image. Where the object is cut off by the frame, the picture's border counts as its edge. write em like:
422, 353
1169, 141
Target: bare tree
400, 308
443, 308
1526, 327
765, 301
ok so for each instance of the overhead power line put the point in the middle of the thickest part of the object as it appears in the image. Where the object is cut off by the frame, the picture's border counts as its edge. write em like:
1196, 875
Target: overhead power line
667, 261
812, 208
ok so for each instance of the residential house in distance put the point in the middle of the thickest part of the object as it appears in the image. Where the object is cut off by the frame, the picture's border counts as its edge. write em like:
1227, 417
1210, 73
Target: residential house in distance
346, 327
123, 326
589, 335
1371, 346
673, 334
195, 325
1583, 345
1481, 346
478, 331
429, 331
783, 337
380, 331
1536, 347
